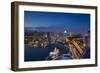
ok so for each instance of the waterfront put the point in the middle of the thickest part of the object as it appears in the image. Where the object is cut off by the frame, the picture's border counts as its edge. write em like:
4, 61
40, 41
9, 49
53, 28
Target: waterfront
40, 45
56, 36
40, 54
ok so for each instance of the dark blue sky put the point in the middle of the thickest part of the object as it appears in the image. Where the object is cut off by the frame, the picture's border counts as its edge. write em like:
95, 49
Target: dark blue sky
73, 22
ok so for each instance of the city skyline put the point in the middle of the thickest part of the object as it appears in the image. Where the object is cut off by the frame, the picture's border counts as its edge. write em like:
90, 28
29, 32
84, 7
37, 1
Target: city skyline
54, 34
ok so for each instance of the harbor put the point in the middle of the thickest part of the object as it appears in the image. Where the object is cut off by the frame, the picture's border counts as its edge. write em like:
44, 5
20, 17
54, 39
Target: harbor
53, 45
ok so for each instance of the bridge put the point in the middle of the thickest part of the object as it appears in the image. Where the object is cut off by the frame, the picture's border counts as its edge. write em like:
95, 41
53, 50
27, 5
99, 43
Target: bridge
76, 49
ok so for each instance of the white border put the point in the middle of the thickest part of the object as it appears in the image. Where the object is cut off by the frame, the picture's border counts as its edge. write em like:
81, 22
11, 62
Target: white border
23, 64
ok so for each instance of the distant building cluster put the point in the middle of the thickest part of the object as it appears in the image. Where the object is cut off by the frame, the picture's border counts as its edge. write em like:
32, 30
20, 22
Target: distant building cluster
42, 39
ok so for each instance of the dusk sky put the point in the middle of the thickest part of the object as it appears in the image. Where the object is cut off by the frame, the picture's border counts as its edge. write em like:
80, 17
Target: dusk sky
59, 21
